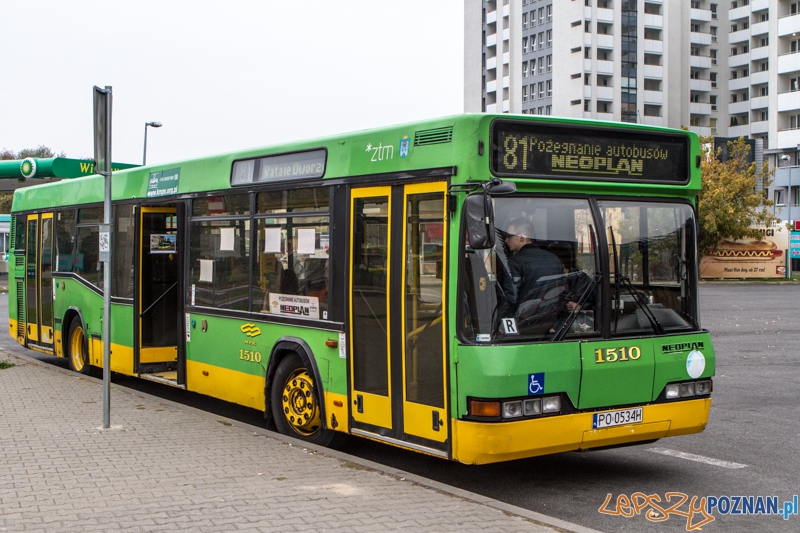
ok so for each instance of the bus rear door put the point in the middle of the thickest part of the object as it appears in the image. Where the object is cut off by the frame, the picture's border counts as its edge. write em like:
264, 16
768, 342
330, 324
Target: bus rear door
39, 280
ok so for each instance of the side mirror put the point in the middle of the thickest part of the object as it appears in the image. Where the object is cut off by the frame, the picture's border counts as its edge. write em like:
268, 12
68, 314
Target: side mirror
479, 218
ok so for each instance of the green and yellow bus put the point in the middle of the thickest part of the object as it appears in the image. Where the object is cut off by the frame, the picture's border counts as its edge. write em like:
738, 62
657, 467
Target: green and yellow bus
365, 284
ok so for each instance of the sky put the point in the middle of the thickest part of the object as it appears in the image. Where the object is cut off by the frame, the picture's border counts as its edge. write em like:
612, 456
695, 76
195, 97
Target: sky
225, 75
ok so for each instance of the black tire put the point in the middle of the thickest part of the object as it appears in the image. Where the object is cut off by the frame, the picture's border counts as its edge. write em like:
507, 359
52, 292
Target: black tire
295, 403
77, 351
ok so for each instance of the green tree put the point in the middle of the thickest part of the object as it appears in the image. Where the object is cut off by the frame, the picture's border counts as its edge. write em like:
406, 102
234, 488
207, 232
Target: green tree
729, 202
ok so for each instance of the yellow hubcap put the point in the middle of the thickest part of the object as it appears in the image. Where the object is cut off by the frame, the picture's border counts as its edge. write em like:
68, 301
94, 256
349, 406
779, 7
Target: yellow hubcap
299, 403
77, 351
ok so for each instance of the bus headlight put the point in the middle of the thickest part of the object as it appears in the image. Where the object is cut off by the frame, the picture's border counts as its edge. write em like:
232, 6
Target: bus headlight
551, 404
512, 409
673, 391
702, 387
687, 389
532, 407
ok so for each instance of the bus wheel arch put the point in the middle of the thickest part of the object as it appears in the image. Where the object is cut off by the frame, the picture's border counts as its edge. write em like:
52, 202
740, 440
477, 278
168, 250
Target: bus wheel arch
76, 345
294, 398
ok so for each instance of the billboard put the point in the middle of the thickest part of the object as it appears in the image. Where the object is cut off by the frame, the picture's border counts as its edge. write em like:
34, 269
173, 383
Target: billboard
749, 258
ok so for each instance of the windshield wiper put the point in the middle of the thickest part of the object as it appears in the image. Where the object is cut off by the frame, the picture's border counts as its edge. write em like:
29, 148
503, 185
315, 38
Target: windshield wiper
562, 331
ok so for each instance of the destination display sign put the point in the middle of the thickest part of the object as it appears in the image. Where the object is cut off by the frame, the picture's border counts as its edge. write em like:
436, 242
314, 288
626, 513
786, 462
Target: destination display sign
544, 150
282, 167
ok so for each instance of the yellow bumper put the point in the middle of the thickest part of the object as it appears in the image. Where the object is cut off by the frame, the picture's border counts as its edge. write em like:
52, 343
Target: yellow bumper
482, 443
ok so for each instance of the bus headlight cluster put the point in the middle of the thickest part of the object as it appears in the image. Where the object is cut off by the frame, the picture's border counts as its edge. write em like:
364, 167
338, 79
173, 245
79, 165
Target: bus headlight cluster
531, 407
687, 389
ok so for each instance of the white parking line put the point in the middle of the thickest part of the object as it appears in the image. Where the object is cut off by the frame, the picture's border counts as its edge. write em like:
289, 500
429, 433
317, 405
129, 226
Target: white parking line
698, 458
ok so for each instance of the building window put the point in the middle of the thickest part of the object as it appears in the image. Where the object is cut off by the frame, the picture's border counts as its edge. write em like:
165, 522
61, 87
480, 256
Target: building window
713, 99
764, 90
524, 45
533, 42
550, 13
587, 79
541, 65
794, 84
541, 91
524, 21
524, 69
713, 77
550, 63
587, 53
541, 40
652, 110
524, 93
533, 91
541, 15
652, 85
549, 89
549, 38
548, 110
713, 11
587, 106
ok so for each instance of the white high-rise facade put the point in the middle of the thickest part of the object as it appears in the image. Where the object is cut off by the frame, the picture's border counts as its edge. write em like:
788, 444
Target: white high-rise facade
719, 67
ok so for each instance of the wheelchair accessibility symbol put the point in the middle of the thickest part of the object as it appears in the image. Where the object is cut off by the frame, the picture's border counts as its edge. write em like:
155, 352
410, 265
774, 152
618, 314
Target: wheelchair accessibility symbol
535, 384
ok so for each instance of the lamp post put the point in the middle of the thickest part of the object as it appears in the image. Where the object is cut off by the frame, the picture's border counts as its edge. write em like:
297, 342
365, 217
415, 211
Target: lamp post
144, 154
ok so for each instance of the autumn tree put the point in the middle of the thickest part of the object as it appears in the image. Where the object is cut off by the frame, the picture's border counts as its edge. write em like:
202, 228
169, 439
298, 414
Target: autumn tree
733, 197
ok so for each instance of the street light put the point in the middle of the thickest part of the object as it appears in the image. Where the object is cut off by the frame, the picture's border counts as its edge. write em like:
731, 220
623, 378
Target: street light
155, 125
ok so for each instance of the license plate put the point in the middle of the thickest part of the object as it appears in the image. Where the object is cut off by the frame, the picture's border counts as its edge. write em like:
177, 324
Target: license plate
617, 418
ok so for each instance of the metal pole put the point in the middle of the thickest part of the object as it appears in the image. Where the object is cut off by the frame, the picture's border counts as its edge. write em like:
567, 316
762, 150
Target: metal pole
107, 272
144, 152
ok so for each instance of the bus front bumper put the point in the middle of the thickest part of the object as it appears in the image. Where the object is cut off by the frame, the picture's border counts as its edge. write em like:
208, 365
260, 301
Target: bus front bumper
483, 443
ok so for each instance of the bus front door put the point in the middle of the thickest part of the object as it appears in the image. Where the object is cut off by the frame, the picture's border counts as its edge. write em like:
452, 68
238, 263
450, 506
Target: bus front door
397, 322
39, 280
157, 308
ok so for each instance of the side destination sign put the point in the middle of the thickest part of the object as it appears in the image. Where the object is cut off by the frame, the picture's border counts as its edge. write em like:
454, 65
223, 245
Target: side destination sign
547, 150
163, 182
282, 167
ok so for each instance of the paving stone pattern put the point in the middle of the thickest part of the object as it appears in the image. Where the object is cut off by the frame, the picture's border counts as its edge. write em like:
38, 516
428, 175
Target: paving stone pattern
168, 467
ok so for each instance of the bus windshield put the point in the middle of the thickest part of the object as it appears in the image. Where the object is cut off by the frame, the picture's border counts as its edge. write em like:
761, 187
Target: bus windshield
544, 277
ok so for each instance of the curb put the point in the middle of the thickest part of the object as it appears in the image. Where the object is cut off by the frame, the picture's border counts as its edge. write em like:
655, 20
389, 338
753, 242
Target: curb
400, 475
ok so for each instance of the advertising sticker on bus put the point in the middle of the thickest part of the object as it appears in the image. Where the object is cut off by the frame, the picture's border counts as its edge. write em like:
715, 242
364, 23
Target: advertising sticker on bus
293, 305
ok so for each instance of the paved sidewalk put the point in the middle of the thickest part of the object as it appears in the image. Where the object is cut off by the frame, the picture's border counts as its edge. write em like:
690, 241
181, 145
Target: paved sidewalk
167, 467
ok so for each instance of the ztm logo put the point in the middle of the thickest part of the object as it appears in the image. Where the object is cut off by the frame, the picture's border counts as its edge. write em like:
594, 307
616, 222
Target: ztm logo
251, 330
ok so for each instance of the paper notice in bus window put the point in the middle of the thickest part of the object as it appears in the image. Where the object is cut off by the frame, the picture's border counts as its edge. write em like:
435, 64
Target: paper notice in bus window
206, 270
305, 241
294, 305
272, 240
226, 239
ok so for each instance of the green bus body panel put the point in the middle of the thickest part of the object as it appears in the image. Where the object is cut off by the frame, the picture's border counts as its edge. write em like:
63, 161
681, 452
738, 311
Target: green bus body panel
502, 371
621, 382
672, 353
360, 154
223, 339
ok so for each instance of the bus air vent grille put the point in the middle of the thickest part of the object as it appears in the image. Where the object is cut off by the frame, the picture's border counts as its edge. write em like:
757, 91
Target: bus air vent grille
19, 261
13, 225
434, 136
20, 310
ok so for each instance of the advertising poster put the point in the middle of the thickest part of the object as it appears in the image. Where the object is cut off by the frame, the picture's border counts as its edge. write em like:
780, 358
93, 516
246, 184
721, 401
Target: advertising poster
748, 258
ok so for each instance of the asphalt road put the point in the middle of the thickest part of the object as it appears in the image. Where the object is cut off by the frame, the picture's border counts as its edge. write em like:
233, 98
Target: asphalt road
751, 446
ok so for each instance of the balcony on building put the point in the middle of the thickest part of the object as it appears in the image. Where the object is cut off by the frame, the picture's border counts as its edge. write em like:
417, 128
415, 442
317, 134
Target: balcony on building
653, 21
701, 38
653, 121
759, 52
789, 25
741, 36
739, 131
759, 28
491, 63
759, 102
605, 67
605, 93
701, 15
506, 10
699, 108
762, 126
737, 108
788, 139
703, 131
506, 82
759, 5
739, 83
653, 47
655, 72
788, 63
605, 116
739, 60
703, 86
605, 15
491, 17
653, 97
605, 41
786, 176
700, 61
758, 78
788, 101
491, 40
491, 86
739, 12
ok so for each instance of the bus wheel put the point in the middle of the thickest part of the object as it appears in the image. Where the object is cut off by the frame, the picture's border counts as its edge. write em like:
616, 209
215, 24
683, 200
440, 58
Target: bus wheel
76, 341
295, 403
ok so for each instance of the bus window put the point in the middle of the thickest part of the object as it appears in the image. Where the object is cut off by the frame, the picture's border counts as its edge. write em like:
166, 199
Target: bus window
122, 277
65, 241
219, 259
